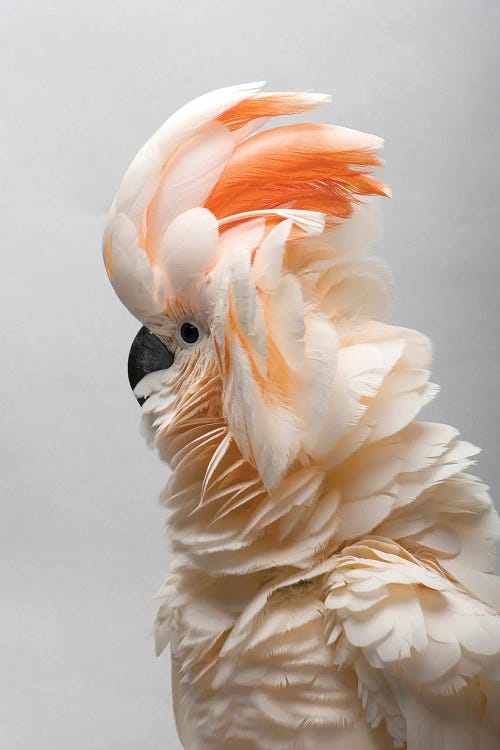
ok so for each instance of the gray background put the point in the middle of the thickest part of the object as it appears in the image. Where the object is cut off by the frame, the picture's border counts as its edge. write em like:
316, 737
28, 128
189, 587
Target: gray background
83, 85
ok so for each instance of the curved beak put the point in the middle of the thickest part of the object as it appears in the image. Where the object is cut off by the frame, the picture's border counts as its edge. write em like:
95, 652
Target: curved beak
147, 354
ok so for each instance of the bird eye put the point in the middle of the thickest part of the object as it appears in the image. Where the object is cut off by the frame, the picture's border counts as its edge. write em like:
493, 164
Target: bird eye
188, 333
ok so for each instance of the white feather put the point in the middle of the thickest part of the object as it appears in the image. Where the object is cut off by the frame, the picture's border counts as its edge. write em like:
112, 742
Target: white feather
188, 246
191, 174
289, 429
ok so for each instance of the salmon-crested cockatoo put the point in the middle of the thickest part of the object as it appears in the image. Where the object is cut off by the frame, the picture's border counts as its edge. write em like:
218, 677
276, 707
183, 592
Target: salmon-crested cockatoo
331, 584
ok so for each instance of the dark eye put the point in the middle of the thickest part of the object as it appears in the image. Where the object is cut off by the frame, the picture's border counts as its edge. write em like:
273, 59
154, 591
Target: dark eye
189, 333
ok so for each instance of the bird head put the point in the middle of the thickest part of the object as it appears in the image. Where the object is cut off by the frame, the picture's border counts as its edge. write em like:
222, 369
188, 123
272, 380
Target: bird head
229, 246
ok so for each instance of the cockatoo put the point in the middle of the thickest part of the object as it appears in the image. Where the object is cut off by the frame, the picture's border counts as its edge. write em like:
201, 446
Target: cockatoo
330, 585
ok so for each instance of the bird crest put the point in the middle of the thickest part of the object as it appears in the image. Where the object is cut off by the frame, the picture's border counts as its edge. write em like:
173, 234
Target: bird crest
221, 224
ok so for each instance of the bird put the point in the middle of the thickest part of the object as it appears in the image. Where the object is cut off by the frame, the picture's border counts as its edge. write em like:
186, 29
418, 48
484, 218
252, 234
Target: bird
331, 582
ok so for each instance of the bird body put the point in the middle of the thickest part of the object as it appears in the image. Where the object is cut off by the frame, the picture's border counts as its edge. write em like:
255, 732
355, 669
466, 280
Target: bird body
331, 582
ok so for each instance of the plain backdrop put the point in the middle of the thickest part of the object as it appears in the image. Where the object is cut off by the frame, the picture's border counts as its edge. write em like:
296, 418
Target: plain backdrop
83, 85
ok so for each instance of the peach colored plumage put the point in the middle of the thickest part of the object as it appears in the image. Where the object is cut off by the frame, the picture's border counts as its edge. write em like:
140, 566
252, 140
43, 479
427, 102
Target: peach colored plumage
330, 585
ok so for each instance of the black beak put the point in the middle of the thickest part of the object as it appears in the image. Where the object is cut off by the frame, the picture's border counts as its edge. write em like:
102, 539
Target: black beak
147, 354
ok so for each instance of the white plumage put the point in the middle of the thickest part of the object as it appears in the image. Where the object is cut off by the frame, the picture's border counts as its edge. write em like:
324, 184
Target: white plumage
331, 585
